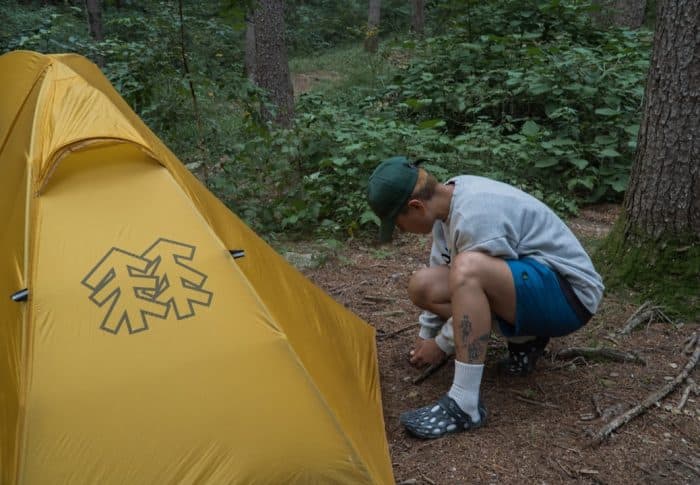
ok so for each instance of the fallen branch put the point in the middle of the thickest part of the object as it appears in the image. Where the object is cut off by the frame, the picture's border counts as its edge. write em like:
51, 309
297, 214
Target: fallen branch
429, 371
644, 314
650, 400
599, 352
691, 387
396, 332
690, 343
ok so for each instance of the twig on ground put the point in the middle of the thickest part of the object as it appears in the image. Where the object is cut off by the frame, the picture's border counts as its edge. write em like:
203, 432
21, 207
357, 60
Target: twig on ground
429, 371
642, 314
609, 338
537, 403
649, 401
596, 404
645, 313
691, 387
398, 331
378, 299
427, 479
599, 352
521, 397
690, 466
690, 343
391, 313
565, 470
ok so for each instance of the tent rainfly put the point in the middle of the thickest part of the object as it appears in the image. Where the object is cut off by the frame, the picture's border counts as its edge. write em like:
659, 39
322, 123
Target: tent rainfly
135, 347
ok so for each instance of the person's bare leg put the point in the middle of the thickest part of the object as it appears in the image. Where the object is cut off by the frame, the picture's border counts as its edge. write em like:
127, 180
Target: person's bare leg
429, 289
480, 285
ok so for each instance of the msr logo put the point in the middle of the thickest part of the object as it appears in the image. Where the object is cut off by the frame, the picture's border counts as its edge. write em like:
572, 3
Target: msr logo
155, 284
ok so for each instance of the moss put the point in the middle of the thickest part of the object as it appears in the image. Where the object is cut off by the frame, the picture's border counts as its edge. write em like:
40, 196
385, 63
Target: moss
665, 270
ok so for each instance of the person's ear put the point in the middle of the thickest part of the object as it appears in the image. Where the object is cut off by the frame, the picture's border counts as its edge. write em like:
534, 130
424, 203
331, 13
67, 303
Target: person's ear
416, 204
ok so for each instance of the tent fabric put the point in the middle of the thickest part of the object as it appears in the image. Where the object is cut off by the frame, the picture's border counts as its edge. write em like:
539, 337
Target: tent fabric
145, 353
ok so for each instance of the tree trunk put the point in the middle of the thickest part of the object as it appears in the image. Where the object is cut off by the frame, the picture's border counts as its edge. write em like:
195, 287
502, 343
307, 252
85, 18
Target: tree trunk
418, 16
664, 194
372, 35
271, 64
621, 13
655, 247
94, 15
249, 58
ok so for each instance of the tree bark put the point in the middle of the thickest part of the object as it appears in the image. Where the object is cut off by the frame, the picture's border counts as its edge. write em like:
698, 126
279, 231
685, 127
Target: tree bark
663, 199
94, 16
418, 16
249, 58
621, 13
271, 62
372, 35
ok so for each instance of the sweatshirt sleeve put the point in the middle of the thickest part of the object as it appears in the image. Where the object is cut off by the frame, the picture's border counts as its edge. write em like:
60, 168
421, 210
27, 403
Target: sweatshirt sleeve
431, 323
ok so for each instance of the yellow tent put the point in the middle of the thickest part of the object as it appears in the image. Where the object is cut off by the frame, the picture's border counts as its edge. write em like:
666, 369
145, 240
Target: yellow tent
145, 352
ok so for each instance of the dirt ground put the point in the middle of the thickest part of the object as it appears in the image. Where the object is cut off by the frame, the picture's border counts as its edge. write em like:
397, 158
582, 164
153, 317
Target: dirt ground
539, 426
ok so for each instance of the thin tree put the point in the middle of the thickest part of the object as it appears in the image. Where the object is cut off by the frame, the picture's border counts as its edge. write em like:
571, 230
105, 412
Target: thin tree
418, 17
372, 35
94, 17
656, 243
621, 13
271, 62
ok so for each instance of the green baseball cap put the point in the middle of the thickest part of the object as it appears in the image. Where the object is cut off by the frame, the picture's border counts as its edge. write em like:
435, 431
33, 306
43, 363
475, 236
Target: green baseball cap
389, 188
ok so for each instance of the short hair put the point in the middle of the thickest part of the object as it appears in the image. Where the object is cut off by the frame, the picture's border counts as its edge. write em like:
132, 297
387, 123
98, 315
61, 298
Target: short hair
424, 189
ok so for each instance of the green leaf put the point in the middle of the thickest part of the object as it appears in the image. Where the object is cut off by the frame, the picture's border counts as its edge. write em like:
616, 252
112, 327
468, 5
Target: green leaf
607, 112
369, 216
431, 124
579, 163
530, 128
546, 162
609, 152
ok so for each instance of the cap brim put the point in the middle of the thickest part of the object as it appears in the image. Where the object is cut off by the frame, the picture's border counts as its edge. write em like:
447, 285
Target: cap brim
386, 230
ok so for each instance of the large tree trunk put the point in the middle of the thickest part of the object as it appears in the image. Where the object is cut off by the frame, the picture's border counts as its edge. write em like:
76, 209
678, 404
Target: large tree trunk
249, 58
664, 194
621, 13
271, 63
418, 16
94, 15
655, 247
372, 35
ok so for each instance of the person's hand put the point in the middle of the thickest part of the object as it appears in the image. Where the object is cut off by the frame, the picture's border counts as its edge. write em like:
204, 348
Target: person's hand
426, 352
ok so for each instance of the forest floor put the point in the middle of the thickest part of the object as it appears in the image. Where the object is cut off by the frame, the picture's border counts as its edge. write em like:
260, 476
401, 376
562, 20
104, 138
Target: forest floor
540, 426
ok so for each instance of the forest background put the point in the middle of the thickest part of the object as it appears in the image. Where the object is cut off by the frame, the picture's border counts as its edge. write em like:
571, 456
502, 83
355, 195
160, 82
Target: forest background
546, 95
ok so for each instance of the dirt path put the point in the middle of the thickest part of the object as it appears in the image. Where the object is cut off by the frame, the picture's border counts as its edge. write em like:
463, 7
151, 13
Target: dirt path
538, 425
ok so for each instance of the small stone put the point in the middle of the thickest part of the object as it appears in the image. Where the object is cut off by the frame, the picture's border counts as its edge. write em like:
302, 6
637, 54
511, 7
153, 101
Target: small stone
673, 365
667, 435
668, 378
453, 469
614, 374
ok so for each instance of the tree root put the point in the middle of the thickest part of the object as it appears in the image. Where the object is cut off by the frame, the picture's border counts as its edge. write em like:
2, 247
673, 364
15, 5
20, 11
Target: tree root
650, 400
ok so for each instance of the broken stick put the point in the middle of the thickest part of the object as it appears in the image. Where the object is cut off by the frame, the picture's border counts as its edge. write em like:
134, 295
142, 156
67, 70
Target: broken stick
600, 352
650, 400
691, 387
396, 332
429, 371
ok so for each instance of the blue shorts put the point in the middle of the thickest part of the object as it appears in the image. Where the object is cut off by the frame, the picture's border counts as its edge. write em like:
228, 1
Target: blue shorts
546, 305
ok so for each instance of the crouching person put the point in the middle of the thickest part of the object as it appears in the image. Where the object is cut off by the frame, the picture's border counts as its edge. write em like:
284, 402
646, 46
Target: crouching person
498, 254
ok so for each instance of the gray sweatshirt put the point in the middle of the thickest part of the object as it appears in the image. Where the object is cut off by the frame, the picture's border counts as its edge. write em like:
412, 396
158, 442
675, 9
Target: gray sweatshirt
500, 220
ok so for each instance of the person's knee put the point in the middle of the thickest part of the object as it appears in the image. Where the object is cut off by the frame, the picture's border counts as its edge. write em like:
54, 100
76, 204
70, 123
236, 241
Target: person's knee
468, 269
419, 287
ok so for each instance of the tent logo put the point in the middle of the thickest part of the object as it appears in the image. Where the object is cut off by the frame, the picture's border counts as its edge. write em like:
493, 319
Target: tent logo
136, 288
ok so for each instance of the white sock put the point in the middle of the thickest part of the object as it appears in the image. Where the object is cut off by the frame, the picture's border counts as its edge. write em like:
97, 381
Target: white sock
465, 388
